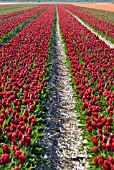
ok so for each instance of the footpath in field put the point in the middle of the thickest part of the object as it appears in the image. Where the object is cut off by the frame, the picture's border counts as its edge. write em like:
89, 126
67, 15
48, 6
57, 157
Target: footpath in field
63, 137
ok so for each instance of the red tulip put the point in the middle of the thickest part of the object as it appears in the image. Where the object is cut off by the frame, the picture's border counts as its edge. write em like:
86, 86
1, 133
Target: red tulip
22, 159
106, 165
22, 142
9, 135
17, 153
95, 150
5, 159
0, 130
96, 160
89, 129
6, 149
16, 168
108, 147
94, 140
100, 161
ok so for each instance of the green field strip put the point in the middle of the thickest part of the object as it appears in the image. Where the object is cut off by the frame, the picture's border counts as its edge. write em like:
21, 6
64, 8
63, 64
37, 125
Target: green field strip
15, 15
6, 11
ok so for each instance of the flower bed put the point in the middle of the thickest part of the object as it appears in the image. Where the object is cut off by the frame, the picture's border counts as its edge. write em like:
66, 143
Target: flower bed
23, 91
100, 25
101, 14
91, 66
11, 26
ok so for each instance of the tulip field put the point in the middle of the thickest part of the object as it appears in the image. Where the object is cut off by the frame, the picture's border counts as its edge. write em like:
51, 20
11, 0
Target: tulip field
23, 68
11, 23
104, 28
101, 14
26, 40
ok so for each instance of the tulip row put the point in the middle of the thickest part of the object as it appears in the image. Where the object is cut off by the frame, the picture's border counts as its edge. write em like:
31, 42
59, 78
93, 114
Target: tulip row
8, 30
24, 69
91, 65
101, 14
104, 28
13, 14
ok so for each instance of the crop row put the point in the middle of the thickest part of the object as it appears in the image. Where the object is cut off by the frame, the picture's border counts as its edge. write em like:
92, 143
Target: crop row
91, 66
23, 86
101, 14
13, 14
98, 24
8, 30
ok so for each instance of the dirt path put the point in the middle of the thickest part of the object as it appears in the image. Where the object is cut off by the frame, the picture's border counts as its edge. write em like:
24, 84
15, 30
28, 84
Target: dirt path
63, 137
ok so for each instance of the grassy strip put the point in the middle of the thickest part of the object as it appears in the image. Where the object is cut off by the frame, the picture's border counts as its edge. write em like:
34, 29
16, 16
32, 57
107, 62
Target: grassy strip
6, 11
17, 29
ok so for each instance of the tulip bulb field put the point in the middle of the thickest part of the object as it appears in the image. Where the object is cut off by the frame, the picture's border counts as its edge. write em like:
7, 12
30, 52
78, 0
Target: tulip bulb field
56, 87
